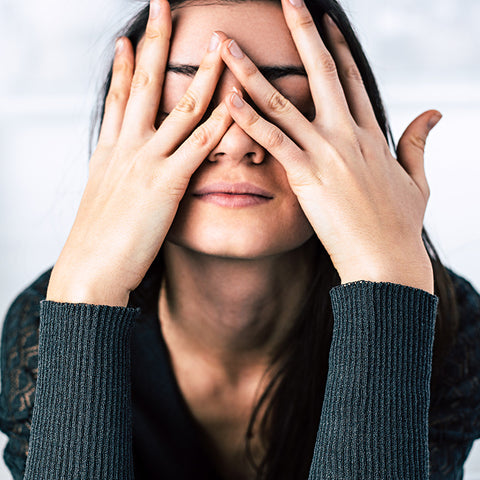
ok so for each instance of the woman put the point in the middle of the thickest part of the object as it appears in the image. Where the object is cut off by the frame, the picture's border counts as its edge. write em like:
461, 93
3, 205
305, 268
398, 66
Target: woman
244, 212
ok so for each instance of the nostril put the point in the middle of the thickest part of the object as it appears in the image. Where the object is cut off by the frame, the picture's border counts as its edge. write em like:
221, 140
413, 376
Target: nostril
254, 157
215, 157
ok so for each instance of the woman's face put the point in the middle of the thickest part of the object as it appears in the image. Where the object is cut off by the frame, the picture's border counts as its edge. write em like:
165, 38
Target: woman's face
219, 223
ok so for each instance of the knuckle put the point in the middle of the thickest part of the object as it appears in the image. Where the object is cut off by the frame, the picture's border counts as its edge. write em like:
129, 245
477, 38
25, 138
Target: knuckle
201, 137
351, 72
250, 70
115, 97
141, 79
327, 63
427, 191
277, 103
275, 138
305, 21
154, 33
252, 119
120, 69
206, 66
217, 115
188, 104
418, 141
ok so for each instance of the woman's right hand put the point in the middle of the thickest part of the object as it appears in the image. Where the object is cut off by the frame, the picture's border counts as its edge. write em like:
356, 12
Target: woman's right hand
137, 174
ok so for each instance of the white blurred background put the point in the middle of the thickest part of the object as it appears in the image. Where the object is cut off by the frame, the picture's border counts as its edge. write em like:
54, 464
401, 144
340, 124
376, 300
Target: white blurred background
424, 52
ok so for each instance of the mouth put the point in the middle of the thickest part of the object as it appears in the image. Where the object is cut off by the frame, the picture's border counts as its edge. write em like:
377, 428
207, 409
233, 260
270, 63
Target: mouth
233, 194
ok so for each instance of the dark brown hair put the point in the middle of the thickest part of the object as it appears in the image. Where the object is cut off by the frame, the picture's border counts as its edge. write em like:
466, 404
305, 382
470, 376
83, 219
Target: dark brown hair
292, 402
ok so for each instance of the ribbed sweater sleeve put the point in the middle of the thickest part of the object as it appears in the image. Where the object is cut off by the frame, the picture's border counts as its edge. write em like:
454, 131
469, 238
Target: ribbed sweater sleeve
81, 422
374, 420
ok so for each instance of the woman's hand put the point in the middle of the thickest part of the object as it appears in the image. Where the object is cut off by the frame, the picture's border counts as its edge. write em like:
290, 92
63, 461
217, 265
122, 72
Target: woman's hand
365, 206
137, 175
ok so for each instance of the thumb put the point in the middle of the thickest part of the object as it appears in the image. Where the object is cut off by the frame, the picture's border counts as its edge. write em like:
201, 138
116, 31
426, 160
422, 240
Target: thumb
411, 146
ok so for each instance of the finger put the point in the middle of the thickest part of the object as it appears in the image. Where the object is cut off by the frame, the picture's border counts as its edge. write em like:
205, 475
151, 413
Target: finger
147, 83
266, 97
327, 93
188, 157
118, 93
411, 147
350, 77
270, 137
192, 106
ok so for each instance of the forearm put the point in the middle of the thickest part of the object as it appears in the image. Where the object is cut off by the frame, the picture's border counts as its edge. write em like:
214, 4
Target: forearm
374, 421
81, 425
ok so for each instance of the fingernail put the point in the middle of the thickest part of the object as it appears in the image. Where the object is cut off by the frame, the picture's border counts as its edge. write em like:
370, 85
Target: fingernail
154, 8
237, 101
214, 42
296, 3
235, 49
119, 45
434, 119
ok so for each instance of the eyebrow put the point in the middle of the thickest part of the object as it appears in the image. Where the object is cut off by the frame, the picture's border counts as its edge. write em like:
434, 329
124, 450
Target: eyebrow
270, 72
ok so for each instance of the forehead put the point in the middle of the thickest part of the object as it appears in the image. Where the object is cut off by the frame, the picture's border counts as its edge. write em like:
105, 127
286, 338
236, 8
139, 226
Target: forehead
259, 27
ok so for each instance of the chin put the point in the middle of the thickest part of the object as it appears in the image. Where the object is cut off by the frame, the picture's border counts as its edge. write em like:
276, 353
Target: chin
250, 232
240, 244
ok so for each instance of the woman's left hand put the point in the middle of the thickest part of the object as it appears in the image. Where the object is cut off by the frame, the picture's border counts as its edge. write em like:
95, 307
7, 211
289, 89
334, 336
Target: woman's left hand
366, 207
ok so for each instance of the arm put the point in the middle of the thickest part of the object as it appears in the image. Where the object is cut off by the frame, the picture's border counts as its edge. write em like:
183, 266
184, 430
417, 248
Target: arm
374, 421
81, 426
367, 209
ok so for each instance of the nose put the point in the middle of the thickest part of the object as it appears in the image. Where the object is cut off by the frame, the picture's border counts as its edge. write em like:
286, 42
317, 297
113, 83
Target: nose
235, 146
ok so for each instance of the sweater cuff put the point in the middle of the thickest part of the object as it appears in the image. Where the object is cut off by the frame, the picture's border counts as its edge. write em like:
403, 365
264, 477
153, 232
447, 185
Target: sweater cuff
374, 421
82, 407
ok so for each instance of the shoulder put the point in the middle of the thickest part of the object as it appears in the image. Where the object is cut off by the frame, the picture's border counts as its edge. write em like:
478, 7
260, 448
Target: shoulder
454, 417
463, 361
468, 298
18, 365
23, 313
19, 343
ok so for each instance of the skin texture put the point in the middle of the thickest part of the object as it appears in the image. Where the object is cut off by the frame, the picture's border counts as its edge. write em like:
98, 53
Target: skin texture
279, 225
383, 227
235, 277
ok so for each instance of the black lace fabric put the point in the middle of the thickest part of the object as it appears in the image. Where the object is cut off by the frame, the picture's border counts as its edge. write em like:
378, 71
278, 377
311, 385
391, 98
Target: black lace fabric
454, 417
19, 364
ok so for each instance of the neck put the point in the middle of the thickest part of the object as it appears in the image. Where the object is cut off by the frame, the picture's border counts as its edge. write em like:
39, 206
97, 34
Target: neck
235, 313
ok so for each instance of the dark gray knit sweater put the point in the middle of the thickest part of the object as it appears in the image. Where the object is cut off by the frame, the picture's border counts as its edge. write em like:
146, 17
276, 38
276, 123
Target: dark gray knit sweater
375, 416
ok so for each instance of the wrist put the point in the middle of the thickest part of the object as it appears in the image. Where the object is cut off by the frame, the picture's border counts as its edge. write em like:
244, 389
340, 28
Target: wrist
412, 270
72, 290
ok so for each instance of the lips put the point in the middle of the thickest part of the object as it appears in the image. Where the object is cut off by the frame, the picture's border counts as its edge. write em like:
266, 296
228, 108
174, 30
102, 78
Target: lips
233, 189
233, 195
